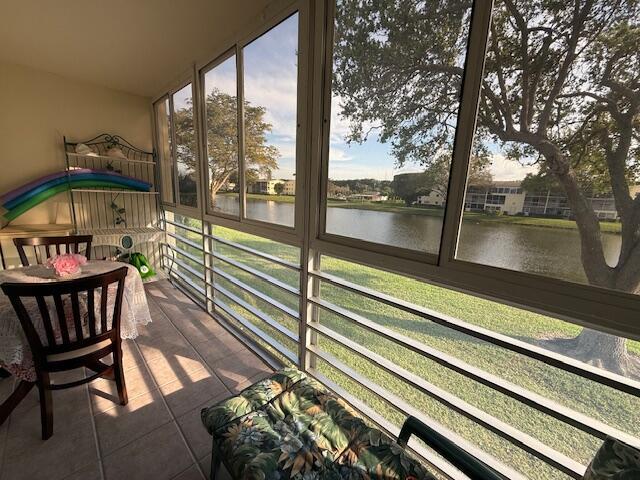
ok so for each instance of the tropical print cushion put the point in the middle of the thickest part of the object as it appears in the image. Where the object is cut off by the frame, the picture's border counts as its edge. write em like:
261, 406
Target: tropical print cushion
289, 426
614, 460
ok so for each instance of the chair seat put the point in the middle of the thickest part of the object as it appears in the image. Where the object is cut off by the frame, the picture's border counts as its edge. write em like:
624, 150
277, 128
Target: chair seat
289, 426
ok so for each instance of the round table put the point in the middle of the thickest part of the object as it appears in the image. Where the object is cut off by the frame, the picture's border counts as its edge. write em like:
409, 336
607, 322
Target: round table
15, 354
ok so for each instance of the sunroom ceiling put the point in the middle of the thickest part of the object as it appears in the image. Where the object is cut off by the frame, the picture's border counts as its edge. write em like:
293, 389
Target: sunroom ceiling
134, 46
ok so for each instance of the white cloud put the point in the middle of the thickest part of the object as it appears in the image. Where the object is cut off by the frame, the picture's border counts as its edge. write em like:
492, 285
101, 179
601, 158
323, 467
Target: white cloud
278, 95
504, 169
338, 155
287, 150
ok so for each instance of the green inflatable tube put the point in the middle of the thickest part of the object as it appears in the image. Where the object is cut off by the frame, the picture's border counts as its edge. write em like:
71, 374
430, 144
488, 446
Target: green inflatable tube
45, 195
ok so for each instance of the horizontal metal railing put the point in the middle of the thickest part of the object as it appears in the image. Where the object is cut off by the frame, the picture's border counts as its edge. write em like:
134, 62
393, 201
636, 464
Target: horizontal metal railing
531, 399
257, 273
183, 226
258, 313
254, 252
553, 359
273, 343
408, 410
209, 266
256, 293
214, 292
184, 240
509, 433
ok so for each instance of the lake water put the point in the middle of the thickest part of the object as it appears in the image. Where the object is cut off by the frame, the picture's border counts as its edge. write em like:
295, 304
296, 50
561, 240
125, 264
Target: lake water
546, 251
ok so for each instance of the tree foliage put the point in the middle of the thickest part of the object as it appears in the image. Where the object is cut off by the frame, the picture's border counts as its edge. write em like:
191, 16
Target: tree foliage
561, 90
222, 141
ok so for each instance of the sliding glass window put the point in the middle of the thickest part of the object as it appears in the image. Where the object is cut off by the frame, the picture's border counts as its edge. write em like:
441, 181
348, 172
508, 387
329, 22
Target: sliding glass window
270, 77
185, 150
221, 127
397, 76
552, 190
165, 160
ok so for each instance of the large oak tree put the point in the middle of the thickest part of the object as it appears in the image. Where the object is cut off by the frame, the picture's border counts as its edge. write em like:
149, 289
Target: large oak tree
561, 89
222, 141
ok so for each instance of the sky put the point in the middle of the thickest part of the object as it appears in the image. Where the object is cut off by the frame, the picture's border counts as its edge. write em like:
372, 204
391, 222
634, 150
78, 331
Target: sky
270, 80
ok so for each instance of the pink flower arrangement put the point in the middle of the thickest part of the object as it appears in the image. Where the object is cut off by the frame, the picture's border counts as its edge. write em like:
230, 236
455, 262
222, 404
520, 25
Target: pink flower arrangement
67, 264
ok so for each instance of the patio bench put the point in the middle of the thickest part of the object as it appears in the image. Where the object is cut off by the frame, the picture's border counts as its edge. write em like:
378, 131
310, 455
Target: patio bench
288, 426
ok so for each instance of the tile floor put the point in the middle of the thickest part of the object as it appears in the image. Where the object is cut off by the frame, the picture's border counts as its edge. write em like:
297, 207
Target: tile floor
180, 363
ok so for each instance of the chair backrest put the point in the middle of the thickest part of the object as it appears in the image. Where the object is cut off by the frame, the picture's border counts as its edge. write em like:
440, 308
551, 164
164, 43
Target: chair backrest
75, 325
52, 246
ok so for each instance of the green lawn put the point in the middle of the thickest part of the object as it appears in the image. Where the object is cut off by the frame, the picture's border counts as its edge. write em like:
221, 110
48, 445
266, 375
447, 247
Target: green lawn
602, 403
274, 198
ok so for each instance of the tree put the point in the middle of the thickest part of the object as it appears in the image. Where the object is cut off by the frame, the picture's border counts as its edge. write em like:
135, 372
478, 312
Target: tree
335, 190
437, 174
279, 188
561, 88
222, 141
409, 186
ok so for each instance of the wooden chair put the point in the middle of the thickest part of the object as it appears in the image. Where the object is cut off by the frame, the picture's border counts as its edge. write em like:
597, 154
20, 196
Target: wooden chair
51, 246
64, 345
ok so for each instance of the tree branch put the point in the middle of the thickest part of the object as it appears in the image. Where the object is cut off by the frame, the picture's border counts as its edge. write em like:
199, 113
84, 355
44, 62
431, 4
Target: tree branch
579, 18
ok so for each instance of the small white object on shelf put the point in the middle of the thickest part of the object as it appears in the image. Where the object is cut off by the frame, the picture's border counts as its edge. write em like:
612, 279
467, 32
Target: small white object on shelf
116, 152
86, 150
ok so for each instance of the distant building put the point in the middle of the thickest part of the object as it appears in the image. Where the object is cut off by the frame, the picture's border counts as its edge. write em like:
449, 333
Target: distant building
434, 198
289, 187
506, 197
368, 197
509, 198
268, 187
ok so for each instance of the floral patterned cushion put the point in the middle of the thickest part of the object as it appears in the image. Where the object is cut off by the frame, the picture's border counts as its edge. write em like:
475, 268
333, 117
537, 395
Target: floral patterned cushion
614, 460
289, 426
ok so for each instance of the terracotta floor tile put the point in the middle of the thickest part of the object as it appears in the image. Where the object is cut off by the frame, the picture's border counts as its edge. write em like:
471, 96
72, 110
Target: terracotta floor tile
70, 406
104, 394
159, 455
174, 365
67, 451
198, 438
194, 389
124, 424
92, 472
191, 473
220, 347
237, 369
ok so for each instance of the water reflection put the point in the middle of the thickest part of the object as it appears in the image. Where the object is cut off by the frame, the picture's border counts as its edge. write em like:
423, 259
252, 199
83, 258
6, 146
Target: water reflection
552, 252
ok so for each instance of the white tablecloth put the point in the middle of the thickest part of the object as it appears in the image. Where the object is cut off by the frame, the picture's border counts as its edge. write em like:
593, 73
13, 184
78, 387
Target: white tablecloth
15, 354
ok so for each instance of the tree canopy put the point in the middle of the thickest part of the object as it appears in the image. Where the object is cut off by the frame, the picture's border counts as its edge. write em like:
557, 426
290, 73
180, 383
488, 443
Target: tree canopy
561, 90
222, 141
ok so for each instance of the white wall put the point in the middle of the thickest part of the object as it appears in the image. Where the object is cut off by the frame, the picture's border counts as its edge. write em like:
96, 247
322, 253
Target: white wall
38, 108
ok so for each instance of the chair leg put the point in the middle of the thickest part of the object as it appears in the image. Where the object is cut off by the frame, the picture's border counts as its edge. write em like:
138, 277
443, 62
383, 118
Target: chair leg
46, 406
118, 372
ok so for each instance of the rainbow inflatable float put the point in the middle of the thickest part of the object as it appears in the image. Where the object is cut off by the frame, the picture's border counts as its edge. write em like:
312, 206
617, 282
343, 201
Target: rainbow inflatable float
18, 201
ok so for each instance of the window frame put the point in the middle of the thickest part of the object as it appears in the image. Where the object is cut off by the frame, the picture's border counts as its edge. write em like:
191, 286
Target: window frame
205, 148
419, 256
586, 305
198, 168
275, 231
595, 307
160, 148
